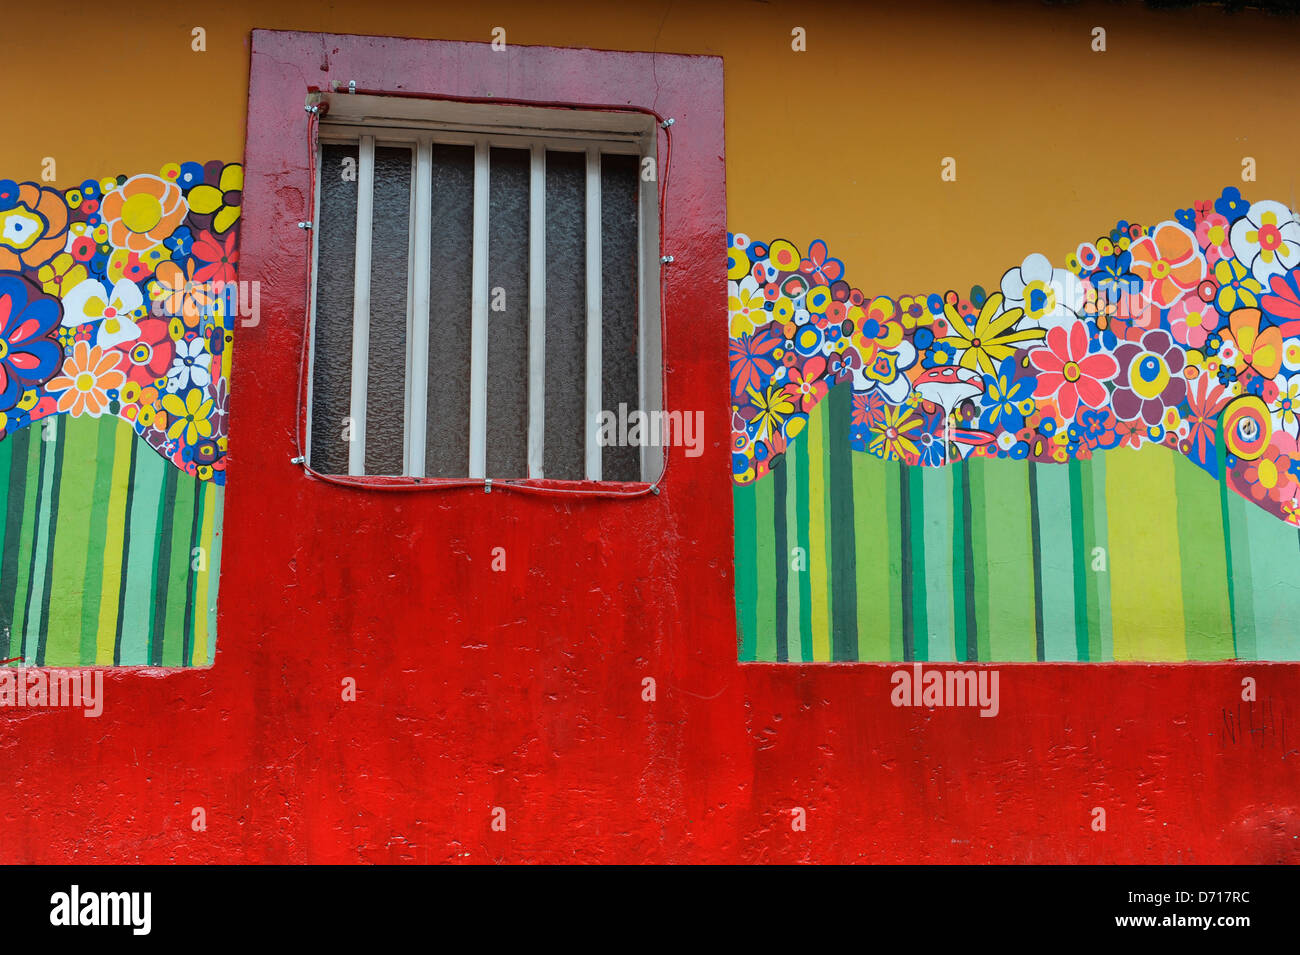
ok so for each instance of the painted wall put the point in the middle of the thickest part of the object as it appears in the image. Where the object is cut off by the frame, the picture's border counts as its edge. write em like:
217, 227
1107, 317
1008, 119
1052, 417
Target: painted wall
532, 701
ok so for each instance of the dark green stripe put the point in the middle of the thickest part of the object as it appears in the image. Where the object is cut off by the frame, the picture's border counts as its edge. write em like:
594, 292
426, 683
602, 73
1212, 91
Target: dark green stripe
1222, 472
195, 530
905, 535
36, 511
126, 550
161, 568
61, 431
801, 506
1035, 545
779, 491
19, 447
1082, 563
963, 560
844, 561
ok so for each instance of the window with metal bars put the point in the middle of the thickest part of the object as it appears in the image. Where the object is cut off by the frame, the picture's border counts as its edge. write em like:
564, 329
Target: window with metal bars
485, 286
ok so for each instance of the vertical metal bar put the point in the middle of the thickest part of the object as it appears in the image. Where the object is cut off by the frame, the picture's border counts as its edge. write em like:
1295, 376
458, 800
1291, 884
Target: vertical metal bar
361, 305
419, 337
479, 317
537, 313
649, 344
594, 317
315, 270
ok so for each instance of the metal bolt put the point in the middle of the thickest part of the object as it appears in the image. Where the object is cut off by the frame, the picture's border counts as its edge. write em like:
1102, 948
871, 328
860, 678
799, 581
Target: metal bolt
298, 460
667, 122
665, 259
304, 225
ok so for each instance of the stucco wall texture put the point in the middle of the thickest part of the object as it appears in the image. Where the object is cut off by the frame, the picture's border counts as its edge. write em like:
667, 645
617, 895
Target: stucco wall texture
476, 692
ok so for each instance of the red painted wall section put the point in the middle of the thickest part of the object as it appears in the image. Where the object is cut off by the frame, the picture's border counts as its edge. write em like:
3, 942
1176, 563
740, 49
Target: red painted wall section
523, 689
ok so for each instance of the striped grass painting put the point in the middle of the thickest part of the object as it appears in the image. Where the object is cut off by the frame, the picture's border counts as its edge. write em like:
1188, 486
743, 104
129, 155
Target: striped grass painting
111, 554
1133, 555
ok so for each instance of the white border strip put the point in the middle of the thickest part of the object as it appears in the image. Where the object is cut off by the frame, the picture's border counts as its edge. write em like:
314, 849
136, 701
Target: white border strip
594, 315
361, 305
418, 338
537, 313
479, 317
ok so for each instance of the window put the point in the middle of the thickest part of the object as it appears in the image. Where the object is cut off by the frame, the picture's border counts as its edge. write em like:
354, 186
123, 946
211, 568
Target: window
485, 286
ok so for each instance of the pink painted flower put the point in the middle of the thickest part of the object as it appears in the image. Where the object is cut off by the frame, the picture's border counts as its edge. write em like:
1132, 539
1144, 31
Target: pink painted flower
806, 385
220, 260
1192, 320
1068, 374
1212, 235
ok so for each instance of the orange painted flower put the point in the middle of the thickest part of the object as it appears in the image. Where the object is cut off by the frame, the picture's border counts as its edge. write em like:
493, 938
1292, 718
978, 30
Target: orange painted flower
88, 374
142, 212
1169, 261
1258, 351
33, 229
176, 293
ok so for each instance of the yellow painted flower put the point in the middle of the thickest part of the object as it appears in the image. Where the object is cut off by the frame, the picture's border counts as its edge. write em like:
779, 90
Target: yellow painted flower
61, 274
993, 336
142, 212
189, 416
224, 199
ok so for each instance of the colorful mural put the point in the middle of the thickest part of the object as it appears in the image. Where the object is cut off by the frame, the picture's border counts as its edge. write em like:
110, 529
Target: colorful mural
953, 534
1186, 334
118, 301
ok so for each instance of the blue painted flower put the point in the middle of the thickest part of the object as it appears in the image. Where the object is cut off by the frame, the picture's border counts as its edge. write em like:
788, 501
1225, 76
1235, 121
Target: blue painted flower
28, 355
1007, 400
939, 355
1114, 277
191, 175
8, 194
1231, 205
1186, 218
179, 243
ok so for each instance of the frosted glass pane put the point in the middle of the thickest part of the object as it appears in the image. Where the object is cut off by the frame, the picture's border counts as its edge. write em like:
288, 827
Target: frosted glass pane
446, 449
566, 314
619, 359
507, 366
389, 269
336, 236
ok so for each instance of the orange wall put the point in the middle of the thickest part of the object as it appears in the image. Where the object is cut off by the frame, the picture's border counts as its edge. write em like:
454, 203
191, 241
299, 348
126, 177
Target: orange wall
842, 142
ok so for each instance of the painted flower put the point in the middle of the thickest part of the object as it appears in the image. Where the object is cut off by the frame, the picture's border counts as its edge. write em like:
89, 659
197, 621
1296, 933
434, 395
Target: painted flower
746, 306
219, 258
1282, 303
174, 292
1114, 277
1205, 400
88, 374
1285, 407
1213, 237
33, 227
1049, 297
1252, 349
91, 302
188, 417
142, 212
1069, 375
820, 268
1007, 400
222, 200
1191, 320
806, 386
60, 274
150, 355
1267, 239
992, 337
28, 355
894, 437
752, 361
1150, 377
1169, 261
191, 366
1237, 287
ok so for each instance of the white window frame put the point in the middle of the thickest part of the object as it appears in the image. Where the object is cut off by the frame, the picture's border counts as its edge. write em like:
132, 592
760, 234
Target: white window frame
369, 121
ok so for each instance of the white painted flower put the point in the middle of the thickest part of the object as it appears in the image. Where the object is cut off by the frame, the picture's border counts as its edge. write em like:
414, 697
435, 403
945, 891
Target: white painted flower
1267, 239
887, 373
1285, 408
191, 366
90, 301
1049, 297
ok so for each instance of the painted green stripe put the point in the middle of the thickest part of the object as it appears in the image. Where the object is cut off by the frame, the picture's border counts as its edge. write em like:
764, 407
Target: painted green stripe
782, 553
16, 447
906, 573
876, 585
170, 646
915, 571
46, 524
214, 574
746, 571
1276, 591
936, 533
6, 467
802, 529
795, 561
977, 470
1207, 614
27, 540
1083, 648
765, 551
132, 451
1101, 539
196, 541
138, 587
843, 552
1055, 521
1012, 635
1241, 575
71, 543
894, 532
97, 537
961, 629
1035, 551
